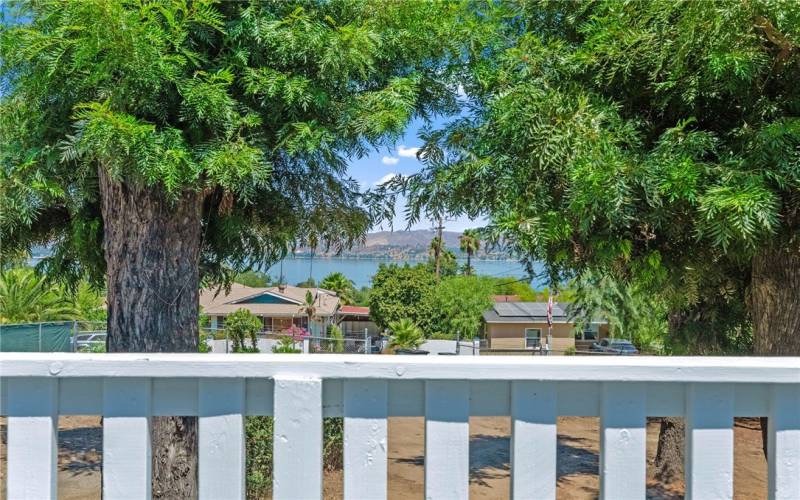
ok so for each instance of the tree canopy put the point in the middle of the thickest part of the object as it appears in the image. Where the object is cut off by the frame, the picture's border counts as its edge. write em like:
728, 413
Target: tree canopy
655, 140
401, 292
255, 105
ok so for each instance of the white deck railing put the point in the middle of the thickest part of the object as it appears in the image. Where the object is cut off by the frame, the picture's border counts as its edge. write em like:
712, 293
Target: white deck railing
300, 390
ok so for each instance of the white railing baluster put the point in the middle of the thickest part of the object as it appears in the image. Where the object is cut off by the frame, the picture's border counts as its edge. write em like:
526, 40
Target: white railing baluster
221, 453
365, 439
783, 443
446, 439
298, 439
533, 440
32, 438
709, 441
623, 441
127, 466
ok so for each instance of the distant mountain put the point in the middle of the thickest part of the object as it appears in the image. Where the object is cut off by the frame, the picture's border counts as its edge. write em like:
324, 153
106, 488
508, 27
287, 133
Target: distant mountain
411, 239
408, 245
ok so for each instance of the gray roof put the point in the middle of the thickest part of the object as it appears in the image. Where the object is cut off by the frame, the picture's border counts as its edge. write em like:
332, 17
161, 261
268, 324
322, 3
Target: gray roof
528, 312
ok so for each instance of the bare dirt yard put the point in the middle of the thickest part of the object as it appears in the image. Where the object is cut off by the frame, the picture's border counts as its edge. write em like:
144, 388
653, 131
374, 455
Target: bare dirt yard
80, 455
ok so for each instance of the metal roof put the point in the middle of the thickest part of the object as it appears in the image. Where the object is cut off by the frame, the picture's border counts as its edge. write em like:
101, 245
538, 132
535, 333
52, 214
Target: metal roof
528, 312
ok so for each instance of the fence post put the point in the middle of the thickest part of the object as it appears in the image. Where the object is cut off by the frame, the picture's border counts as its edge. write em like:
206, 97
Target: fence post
75, 333
306, 345
40, 337
367, 343
458, 341
476, 346
226, 341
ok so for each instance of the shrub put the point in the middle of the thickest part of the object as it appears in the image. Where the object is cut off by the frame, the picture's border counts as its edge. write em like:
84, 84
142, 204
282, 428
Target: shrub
405, 335
336, 343
258, 446
95, 347
285, 345
240, 325
570, 351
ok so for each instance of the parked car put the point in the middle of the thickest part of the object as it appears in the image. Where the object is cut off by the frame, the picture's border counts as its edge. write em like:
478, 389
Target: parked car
615, 346
85, 340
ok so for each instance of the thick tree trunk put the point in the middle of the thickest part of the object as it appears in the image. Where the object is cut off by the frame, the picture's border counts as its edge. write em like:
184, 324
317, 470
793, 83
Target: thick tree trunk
775, 306
152, 248
670, 452
775, 301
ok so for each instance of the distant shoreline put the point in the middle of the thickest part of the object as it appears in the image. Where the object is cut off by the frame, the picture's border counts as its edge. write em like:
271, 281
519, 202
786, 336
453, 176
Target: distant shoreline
387, 257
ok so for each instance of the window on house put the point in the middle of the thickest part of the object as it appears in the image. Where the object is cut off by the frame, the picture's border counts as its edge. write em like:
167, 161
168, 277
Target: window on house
533, 337
220, 322
588, 332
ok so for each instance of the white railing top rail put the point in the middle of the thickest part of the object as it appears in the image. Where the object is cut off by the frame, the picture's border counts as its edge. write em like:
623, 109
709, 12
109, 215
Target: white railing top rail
299, 390
774, 370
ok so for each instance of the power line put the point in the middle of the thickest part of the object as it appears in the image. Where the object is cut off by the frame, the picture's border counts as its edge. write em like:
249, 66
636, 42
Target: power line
511, 282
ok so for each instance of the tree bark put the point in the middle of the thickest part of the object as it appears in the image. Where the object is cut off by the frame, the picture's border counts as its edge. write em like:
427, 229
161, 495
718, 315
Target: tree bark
670, 452
775, 306
775, 301
152, 249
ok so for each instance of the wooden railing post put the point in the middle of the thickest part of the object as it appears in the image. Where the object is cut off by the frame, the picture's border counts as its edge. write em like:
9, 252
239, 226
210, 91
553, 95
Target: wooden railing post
623, 441
447, 439
784, 443
221, 460
32, 438
298, 438
709, 441
127, 466
533, 440
366, 447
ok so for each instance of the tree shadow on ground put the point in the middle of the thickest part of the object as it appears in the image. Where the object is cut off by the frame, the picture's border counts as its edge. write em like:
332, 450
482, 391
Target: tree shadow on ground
576, 457
490, 457
80, 450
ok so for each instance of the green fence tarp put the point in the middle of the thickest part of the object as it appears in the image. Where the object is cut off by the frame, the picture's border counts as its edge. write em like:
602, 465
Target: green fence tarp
55, 337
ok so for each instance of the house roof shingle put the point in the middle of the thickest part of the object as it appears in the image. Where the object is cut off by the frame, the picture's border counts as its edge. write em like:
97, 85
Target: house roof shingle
354, 310
214, 303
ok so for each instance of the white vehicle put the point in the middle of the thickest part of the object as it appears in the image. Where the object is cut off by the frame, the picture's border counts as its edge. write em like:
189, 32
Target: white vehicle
84, 341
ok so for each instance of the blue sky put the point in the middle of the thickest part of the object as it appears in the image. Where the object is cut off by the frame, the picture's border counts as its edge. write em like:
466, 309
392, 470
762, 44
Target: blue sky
401, 159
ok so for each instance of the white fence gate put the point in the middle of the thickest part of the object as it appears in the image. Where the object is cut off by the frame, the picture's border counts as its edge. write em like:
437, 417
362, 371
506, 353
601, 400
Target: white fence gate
299, 390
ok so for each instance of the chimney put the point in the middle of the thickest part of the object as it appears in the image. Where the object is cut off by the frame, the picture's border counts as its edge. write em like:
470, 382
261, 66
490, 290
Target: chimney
282, 287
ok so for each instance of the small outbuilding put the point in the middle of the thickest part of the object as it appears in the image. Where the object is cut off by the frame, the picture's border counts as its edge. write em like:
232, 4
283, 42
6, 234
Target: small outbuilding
523, 325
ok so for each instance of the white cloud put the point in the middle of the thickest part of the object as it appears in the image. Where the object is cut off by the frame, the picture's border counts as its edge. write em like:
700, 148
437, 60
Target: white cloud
390, 160
407, 152
386, 178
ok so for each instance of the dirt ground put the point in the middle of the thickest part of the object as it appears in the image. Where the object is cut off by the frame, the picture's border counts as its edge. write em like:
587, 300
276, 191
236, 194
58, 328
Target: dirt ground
80, 451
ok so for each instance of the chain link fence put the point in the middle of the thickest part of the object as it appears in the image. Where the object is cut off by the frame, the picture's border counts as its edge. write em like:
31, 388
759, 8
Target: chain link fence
219, 341
52, 336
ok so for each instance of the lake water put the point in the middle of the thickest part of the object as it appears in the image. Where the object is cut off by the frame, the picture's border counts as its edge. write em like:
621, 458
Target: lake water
297, 269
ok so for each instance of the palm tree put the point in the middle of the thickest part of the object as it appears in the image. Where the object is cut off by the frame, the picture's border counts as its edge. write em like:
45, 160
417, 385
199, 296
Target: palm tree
405, 335
470, 243
309, 308
339, 283
436, 252
26, 297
